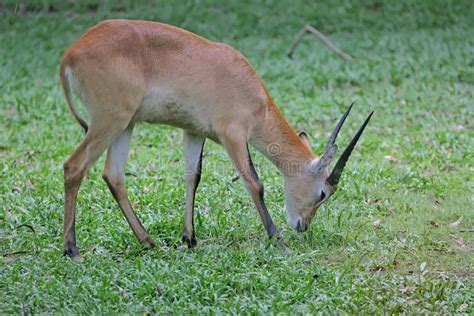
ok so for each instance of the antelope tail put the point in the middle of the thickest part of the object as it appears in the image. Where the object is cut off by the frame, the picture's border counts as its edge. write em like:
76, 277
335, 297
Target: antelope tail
65, 75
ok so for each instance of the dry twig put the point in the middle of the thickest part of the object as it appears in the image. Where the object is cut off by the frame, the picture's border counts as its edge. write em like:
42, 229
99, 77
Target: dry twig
308, 28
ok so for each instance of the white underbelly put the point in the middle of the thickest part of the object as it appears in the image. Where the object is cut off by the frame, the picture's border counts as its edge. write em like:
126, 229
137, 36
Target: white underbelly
162, 107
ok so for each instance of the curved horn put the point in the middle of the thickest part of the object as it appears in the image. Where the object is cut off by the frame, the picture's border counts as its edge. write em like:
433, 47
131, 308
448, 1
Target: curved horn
330, 150
332, 138
335, 175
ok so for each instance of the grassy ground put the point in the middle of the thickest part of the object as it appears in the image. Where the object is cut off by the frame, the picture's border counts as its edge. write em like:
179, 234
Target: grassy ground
397, 236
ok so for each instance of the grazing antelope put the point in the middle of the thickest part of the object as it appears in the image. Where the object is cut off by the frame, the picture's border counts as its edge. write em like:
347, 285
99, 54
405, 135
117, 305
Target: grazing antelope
127, 72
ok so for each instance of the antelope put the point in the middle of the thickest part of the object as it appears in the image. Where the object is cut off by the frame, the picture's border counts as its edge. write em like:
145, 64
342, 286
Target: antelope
126, 72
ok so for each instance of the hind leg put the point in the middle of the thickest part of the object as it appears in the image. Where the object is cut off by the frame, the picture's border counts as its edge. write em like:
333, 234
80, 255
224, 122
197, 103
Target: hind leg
98, 138
114, 176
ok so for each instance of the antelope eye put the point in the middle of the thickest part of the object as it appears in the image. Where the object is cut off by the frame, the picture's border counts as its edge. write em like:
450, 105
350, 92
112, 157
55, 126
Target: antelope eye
323, 195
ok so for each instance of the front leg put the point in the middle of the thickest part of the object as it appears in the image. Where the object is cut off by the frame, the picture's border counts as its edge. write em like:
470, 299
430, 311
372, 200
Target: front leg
193, 145
239, 153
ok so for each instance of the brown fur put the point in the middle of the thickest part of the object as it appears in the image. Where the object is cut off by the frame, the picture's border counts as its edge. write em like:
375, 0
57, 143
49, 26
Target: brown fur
131, 71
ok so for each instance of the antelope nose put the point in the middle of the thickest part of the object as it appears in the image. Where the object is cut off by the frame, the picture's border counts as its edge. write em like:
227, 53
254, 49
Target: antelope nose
301, 227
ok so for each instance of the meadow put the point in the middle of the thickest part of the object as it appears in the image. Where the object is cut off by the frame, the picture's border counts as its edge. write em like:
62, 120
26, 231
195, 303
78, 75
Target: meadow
397, 237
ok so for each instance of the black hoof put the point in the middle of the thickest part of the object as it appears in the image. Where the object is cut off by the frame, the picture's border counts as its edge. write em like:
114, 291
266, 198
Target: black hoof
73, 253
148, 243
191, 242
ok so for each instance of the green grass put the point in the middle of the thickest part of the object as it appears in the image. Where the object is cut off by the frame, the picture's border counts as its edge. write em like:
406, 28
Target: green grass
413, 64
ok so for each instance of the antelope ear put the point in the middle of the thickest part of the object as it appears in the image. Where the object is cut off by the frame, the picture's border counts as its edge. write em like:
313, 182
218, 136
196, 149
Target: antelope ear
304, 137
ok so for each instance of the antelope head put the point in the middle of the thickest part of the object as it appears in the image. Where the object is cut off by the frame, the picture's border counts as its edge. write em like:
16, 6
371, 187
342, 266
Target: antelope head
309, 188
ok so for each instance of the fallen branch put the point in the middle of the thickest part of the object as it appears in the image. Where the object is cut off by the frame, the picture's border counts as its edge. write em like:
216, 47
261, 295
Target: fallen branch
308, 28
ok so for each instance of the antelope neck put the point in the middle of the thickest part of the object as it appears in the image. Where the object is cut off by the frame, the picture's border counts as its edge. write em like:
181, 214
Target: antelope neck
278, 141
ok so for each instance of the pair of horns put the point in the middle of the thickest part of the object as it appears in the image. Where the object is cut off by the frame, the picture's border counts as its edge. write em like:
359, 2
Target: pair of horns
336, 173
